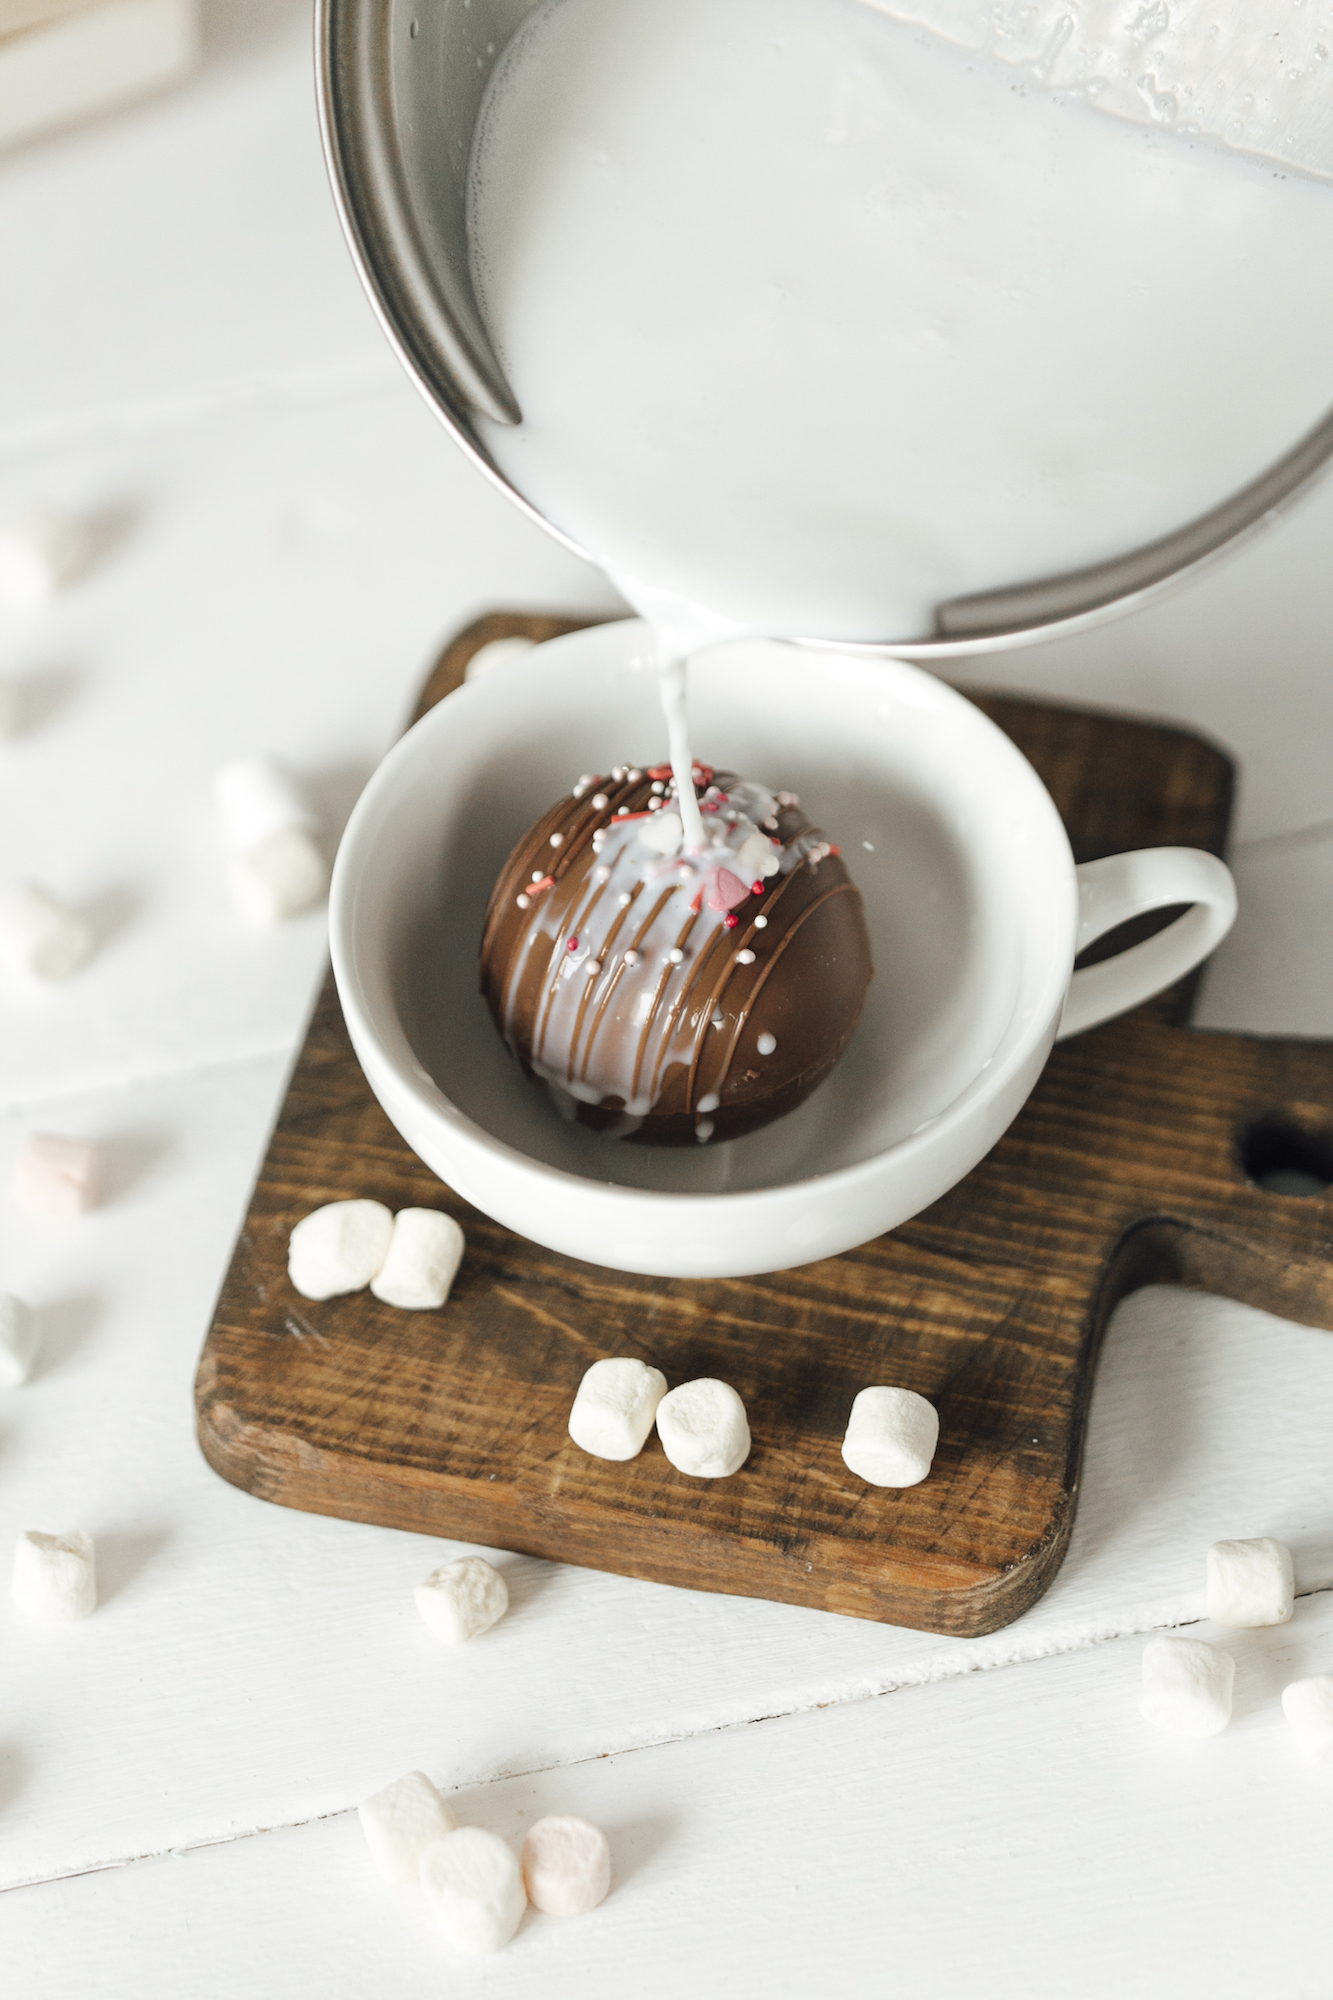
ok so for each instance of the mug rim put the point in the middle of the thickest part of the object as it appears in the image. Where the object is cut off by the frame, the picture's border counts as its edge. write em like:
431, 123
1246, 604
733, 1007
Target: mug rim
382, 1044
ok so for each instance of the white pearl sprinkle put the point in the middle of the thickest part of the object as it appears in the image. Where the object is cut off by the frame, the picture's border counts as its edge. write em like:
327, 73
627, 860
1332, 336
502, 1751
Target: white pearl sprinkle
625, 899
654, 805
766, 1044
634, 776
593, 965
675, 956
578, 791
523, 901
745, 958
602, 874
557, 840
631, 957
761, 923
599, 799
622, 812
658, 786
537, 875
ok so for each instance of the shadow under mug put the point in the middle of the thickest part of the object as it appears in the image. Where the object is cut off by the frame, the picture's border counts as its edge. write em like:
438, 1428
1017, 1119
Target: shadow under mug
975, 908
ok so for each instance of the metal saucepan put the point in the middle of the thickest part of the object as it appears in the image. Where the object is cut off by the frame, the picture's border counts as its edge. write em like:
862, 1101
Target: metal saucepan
400, 87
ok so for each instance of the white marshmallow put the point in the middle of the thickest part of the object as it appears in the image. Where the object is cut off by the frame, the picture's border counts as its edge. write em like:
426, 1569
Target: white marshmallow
1186, 1686
18, 1340
891, 1437
257, 798
663, 833
475, 1888
282, 877
41, 549
38, 935
56, 1177
703, 1429
338, 1248
55, 1576
1250, 1583
425, 1251
614, 1409
401, 1822
566, 1866
462, 1600
1308, 1707
496, 653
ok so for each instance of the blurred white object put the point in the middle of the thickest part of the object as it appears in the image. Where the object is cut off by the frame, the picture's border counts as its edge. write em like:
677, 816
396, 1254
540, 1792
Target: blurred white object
1186, 1686
462, 1600
891, 1437
18, 1340
497, 653
11, 709
1308, 1707
282, 877
86, 60
422, 1260
38, 935
474, 1885
338, 1248
256, 798
1250, 1583
401, 1822
56, 1177
55, 1576
40, 548
1240, 72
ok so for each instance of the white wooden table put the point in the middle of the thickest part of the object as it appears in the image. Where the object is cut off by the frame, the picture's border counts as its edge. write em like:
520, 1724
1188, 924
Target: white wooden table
798, 1804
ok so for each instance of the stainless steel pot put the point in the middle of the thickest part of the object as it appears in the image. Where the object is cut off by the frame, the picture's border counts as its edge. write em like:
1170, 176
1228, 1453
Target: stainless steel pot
400, 87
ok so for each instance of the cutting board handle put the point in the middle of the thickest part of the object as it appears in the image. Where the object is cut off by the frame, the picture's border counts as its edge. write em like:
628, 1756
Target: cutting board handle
1121, 886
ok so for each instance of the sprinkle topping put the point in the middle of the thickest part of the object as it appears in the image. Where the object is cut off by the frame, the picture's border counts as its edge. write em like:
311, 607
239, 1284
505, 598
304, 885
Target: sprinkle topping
766, 1044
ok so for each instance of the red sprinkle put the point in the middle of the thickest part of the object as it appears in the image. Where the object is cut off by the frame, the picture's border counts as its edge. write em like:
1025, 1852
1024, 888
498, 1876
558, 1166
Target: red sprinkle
573, 944
535, 888
835, 850
757, 888
731, 920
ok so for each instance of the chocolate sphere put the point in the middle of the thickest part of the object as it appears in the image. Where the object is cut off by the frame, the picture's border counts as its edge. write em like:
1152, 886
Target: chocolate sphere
670, 994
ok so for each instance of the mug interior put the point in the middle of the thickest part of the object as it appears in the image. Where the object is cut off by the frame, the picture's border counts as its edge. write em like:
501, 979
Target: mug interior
954, 843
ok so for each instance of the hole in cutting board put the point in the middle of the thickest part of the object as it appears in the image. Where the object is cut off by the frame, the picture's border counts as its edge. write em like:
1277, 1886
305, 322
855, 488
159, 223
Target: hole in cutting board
1285, 1156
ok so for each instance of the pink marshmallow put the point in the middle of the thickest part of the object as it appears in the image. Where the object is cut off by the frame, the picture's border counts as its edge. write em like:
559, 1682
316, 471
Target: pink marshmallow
56, 1177
566, 1866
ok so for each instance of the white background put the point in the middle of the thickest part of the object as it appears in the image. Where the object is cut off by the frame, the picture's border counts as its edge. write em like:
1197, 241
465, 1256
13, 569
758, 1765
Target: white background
797, 1803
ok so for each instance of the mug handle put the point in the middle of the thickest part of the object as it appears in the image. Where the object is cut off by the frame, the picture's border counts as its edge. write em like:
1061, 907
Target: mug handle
1126, 885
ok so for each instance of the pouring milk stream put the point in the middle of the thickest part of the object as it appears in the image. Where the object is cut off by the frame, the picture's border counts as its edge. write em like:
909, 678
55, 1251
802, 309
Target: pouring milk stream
817, 321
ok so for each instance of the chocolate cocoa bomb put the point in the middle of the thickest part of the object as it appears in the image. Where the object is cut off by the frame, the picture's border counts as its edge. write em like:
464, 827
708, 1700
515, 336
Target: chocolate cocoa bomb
668, 995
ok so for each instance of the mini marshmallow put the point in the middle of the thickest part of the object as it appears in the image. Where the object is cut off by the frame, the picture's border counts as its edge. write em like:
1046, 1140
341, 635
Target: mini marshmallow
55, 1576
1186, 1686
18, 1340
496, 653
566, 1866
282, 877
614, 1409
1250, 1583
38, 935
462, 1600
56, 1177
703, 1429
1308, 1707
257, 799
663, 834
401, 1822
475, 1888
891, 1437
757, 858
338, 1248
41, 549
425, 1251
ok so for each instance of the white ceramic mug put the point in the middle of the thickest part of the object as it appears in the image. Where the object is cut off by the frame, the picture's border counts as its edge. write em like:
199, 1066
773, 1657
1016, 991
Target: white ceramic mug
975, 908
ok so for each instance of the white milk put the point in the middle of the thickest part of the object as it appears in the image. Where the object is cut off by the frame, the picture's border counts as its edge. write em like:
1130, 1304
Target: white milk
816, 322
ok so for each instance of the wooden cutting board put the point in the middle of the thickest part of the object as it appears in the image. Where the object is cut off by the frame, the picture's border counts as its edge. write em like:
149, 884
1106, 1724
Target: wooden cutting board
1139, 1159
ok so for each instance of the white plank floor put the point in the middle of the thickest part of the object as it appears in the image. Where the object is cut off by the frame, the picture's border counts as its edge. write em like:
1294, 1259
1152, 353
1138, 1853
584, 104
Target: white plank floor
798, 1803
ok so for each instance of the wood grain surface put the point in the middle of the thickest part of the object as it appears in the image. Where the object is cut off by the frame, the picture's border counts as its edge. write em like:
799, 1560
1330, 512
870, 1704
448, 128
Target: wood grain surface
1132, 1163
